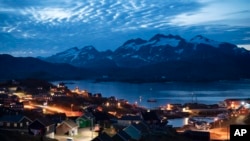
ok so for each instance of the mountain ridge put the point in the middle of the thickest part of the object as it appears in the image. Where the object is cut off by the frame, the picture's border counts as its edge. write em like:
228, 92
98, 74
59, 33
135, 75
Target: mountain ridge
169, 57
159, 59
29, 67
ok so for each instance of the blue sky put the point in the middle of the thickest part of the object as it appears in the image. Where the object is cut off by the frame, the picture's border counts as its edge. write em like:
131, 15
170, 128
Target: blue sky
45, 27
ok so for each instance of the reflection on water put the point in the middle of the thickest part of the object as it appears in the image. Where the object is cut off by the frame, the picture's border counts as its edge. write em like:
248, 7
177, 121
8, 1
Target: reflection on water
179, 122
164, 93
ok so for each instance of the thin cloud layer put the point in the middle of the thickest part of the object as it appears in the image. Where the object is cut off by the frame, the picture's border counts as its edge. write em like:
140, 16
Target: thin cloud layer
31, 28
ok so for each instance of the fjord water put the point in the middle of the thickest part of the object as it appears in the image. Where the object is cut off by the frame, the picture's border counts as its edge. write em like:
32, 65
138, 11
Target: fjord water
166, 93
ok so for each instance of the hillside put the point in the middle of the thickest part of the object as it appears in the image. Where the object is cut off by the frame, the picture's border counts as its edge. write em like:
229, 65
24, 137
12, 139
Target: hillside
28, 67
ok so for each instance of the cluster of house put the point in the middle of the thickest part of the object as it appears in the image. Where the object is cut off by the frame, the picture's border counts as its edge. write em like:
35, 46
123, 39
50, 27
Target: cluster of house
10, 101
130, 126
47, 125
134, 127
146, 125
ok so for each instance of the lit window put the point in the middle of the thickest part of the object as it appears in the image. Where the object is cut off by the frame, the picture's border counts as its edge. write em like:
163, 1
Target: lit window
27, 123
21, 124
8, 124
15, 124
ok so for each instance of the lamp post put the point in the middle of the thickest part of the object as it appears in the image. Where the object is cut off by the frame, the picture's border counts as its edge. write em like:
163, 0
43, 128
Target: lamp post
71, 107
92, 122
91, 127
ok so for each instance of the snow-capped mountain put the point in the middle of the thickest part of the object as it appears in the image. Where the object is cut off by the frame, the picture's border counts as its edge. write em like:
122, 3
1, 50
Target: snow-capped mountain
199, 39
75, 56
164, 56
159, 48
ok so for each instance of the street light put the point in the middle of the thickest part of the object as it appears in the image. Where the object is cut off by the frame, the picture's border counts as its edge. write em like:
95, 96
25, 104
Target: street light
243, 103
91, 118
71, 107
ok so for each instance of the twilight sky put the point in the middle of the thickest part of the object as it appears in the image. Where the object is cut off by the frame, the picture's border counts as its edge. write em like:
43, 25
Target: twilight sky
45, 27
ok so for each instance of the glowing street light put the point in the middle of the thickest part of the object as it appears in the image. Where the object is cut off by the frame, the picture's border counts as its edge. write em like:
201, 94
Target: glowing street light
71, 107
107, 104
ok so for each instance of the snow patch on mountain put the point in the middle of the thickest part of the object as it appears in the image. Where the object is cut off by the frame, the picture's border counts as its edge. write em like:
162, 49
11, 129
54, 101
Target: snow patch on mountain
75, 57
133, 46
167, 41
203, 40
70, 52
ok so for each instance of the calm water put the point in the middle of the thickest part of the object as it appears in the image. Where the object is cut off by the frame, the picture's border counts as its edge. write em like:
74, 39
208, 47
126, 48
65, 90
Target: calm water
164, 93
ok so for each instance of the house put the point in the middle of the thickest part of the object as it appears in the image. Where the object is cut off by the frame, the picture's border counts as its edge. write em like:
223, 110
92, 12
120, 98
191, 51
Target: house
137, 130
16, 122
127, 120
18, 106
42, 126
3, 90
68, 127
83, 121
236, 103
121, 136
102, 137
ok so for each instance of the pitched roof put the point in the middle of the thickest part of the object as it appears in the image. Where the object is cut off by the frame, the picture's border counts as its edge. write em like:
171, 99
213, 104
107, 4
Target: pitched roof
44, 121
130, 118
86, 116
103, 137
141, 127
121, 136
133, 132
13, 118
70, 123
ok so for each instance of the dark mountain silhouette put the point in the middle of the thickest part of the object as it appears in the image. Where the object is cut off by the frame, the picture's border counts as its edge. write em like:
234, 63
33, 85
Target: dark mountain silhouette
28, 67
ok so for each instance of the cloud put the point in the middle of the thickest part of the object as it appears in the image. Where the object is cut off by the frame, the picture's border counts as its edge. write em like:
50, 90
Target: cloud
68, 23
228, 12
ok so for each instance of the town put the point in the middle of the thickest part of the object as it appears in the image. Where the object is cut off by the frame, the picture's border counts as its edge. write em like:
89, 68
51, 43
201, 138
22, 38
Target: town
34, 109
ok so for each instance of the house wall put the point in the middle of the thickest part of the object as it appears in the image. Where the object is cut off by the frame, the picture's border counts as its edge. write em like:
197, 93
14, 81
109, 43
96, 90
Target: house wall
62, 129
50, 129
23, 124
82, 123
73, 131
39, 128
51, 135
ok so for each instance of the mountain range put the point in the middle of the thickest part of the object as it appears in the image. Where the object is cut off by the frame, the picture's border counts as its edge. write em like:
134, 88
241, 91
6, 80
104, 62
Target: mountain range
161, 58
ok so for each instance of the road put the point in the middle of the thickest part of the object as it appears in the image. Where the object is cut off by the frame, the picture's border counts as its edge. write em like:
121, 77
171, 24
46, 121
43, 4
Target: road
84, 134
224, 133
